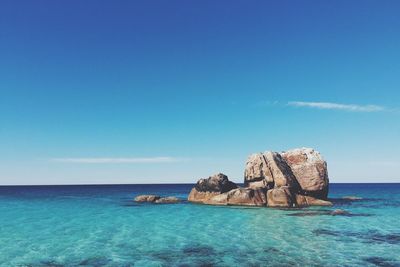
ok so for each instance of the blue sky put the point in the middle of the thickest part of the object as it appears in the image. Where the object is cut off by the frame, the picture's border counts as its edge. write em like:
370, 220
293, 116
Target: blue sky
171, 91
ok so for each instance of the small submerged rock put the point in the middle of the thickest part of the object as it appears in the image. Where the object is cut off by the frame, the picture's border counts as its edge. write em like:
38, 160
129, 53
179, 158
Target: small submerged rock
310, 213
157, 199
339, 212
370, 237
352, 198
167, 200
199, 250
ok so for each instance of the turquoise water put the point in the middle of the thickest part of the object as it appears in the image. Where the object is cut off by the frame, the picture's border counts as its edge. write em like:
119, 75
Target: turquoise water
102, 226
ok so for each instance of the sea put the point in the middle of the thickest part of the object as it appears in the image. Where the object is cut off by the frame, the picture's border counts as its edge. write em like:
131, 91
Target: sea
101, 225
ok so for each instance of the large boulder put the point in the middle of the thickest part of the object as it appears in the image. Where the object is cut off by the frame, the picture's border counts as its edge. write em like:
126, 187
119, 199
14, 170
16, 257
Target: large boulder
268, 170
207, 188
310, 170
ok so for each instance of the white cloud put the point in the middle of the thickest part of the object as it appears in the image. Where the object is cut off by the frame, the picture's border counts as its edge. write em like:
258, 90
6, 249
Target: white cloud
337, 106
119, 160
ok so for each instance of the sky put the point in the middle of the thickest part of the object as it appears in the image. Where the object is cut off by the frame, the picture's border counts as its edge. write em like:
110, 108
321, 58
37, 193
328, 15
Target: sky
95, 92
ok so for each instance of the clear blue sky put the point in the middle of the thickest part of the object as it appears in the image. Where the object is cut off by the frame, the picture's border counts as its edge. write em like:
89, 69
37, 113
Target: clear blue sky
170, 91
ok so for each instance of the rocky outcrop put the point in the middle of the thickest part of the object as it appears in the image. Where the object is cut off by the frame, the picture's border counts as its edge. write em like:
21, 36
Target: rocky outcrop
157, 199
295, 178
207, 188
310, 171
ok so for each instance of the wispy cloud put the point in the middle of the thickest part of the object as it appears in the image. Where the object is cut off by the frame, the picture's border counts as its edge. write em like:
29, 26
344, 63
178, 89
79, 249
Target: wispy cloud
119, 160
337, 106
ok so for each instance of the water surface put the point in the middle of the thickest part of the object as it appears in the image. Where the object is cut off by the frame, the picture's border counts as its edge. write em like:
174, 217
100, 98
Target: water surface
102, 226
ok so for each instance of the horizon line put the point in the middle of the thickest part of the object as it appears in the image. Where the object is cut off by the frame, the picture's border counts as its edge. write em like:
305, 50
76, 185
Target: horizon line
95, 184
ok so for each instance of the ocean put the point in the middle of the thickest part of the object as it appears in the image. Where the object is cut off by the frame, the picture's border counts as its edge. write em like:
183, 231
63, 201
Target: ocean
101, 225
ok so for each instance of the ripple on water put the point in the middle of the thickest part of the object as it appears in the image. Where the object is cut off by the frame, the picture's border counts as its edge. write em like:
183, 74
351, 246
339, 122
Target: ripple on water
105, 227
366, 237
366, 202
328, 213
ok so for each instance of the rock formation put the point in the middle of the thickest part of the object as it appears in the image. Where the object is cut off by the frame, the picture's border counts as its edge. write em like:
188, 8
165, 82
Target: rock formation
157, 199
310, 171
295, 178
207, 188
167, 200
268, 170
147, 198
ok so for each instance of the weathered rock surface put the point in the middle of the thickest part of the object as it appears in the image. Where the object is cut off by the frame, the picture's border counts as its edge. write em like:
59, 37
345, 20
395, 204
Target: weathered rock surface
167, 200
147, 198
268, 170
295, 178
247, 196
207, 188
201, 197
257, 173
156, 199
280, 197
216, 183
304, 201
310, 171
240, 197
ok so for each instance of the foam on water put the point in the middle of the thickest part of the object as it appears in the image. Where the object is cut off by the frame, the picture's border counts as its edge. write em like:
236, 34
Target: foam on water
102, 226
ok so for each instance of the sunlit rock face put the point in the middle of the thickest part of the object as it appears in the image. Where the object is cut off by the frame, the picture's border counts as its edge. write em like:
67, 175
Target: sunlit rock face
268, 170
294, 178
310, 170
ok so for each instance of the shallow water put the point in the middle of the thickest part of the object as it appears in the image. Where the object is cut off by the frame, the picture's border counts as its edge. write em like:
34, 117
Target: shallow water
102, 226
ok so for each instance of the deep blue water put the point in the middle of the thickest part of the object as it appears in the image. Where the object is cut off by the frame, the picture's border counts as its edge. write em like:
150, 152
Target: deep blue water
102, 226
